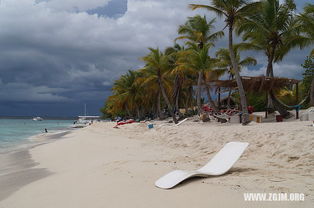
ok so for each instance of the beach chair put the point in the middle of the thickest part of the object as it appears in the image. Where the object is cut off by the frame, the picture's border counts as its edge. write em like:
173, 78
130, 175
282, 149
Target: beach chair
218, 165
184, 120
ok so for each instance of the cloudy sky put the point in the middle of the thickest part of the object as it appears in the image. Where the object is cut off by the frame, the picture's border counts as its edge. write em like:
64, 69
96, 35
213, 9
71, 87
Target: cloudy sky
57, 55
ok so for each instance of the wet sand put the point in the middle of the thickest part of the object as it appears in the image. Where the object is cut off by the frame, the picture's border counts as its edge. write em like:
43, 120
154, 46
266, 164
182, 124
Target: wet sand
17, 169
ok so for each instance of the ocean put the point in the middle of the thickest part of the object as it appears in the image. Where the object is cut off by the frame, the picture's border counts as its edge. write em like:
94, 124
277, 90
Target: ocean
16, 132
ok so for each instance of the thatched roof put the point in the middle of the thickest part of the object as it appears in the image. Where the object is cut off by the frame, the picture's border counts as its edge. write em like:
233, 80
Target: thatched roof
257, 84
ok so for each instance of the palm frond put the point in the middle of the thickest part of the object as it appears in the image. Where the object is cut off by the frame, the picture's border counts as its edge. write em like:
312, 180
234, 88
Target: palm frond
219, 12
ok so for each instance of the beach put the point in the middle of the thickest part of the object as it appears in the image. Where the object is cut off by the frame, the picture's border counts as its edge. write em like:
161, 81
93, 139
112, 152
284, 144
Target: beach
100, 166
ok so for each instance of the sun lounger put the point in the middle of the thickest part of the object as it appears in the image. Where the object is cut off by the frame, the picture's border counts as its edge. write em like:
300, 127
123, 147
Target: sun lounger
178, 124
218, 165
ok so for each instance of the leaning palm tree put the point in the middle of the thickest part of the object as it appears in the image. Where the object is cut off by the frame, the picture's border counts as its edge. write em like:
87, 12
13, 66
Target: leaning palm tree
233, 11
157, 64
225, 62
274, 30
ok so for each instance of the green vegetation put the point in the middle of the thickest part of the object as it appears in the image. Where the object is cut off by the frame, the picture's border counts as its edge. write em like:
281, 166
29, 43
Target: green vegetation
308, 77
177, 77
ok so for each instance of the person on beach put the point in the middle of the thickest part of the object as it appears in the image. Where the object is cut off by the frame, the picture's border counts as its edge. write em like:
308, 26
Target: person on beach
46, 131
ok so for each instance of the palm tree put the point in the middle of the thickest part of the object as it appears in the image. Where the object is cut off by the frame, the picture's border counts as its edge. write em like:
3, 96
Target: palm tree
179, 75
307, 27
157, 64
225, 62
273, 30
197, 30
148, 82
198, 33
197, 59
307, 23
233, 11
127, 95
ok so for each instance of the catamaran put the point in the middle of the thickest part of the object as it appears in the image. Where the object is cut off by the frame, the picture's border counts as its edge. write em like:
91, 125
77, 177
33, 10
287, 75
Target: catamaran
85, 120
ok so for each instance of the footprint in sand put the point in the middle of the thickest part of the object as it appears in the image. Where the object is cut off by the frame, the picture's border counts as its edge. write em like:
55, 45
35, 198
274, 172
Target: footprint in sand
293, 158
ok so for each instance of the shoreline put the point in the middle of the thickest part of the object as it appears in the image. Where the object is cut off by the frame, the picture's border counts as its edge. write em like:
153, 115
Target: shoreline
96, 164
36, 139
17, 170
17, 167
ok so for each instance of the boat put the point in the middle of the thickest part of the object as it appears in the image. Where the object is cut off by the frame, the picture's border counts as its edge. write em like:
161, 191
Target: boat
38, 119
84, 121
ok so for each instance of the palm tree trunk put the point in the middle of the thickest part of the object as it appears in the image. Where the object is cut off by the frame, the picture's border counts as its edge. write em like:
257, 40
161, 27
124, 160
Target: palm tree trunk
159, 106
199, 91
138, 113
272, 102
312, 93
229, 99
210, 100
177, 102
229, 93
176, 92
163, 92
270, 73
128, 111
245, 114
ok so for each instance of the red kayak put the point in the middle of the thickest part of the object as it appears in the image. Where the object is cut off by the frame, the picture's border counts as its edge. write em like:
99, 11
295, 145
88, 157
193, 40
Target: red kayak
124, 122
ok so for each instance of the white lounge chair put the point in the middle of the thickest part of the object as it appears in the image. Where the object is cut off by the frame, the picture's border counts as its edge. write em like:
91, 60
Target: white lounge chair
218, 165
184, 120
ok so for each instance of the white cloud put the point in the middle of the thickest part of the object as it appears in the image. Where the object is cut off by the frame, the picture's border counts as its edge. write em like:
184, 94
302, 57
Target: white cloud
280, 70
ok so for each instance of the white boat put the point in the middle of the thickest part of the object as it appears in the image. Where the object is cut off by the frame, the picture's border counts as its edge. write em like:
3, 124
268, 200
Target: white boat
84, 121
38, 119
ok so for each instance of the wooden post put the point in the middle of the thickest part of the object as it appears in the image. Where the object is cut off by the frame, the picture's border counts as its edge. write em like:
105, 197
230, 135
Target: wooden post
297, 100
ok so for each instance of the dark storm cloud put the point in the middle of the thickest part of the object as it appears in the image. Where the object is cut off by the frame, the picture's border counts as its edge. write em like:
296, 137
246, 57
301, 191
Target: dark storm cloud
69, 52
57, 55
115, 9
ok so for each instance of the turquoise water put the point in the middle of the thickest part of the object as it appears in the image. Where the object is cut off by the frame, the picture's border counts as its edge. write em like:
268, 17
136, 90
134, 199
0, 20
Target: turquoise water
14, 132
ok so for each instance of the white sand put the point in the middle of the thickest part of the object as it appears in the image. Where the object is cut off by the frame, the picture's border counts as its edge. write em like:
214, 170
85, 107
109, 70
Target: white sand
100, 166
